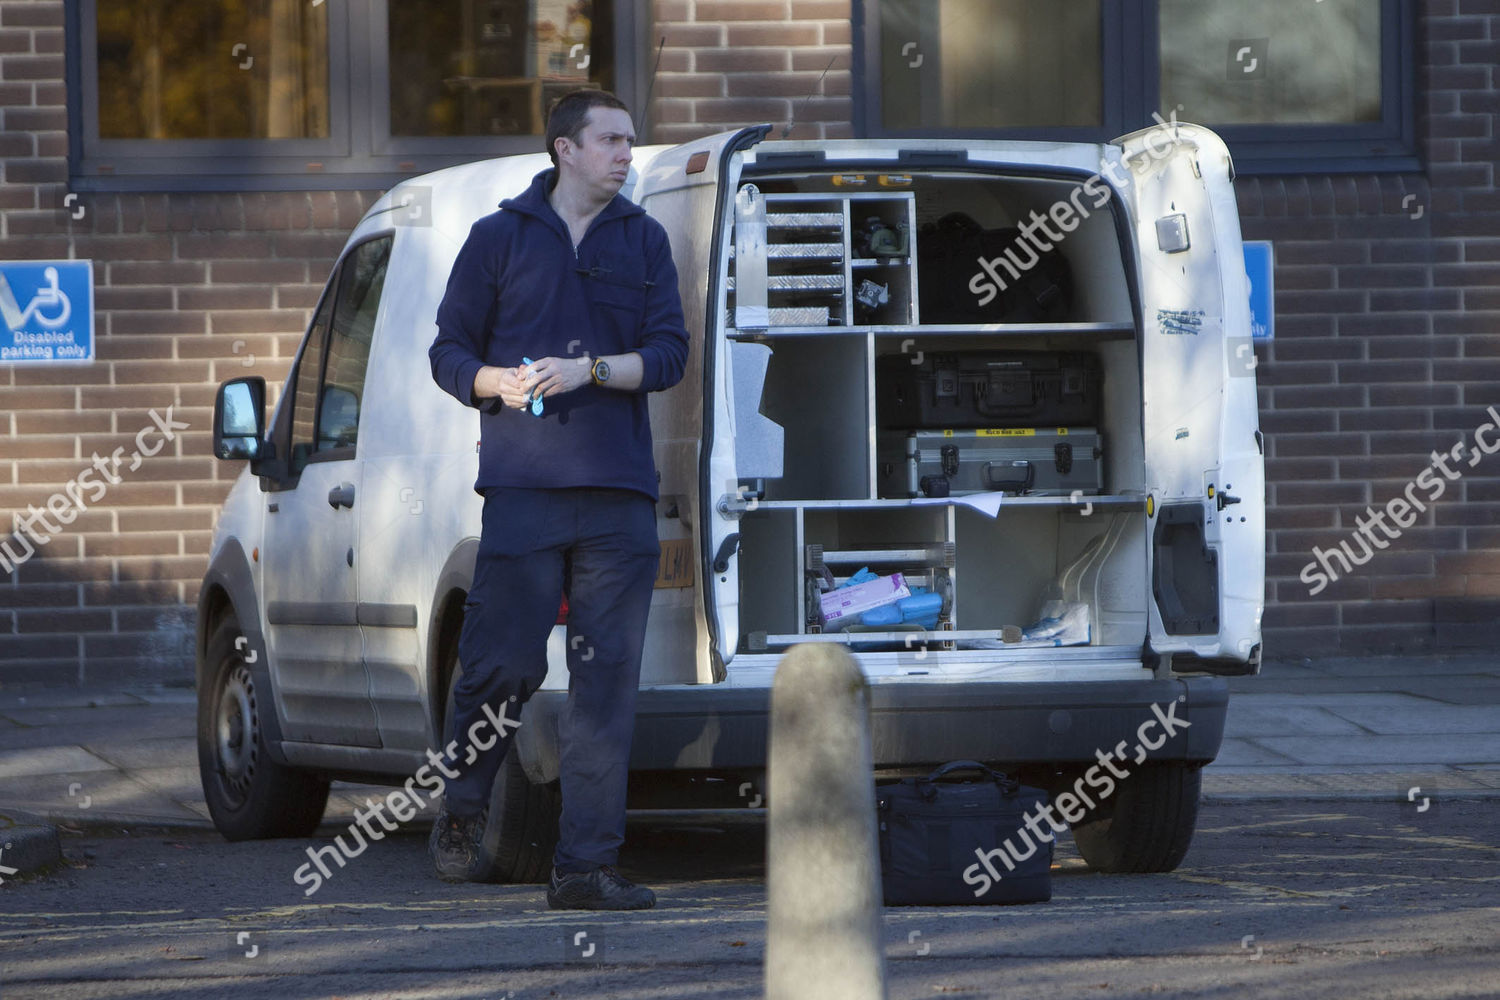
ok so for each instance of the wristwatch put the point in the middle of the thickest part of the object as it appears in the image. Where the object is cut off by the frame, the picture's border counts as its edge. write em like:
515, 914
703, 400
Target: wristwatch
600, 372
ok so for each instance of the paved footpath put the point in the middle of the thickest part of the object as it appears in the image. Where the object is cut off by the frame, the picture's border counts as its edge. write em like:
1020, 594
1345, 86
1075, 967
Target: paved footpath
1368, 728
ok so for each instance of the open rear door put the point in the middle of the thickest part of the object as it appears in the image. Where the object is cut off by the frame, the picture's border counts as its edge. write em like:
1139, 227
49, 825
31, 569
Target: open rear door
687, 188
1204, 466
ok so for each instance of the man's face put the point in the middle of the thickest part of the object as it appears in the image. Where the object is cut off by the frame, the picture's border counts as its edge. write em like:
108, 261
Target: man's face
601, 156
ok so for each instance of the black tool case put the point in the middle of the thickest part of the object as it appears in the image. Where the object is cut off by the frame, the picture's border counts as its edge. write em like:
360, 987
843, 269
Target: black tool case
936, 836
1048, 461
988, 389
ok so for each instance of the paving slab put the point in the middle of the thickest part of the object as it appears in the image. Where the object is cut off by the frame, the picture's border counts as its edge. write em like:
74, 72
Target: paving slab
92, 795
65, 698
1239, 752
173, 751
1281, 719
1401, 751
180, 784
49, 761
1420, 719
158, 720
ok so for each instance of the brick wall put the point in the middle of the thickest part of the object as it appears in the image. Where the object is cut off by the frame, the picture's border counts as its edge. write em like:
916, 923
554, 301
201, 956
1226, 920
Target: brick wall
190, 290
1388, 349
1388, 344
728, 63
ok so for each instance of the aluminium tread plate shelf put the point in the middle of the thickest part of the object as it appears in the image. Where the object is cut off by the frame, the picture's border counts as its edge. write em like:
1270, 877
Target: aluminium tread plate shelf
1101, 331
911, 638
1114, 504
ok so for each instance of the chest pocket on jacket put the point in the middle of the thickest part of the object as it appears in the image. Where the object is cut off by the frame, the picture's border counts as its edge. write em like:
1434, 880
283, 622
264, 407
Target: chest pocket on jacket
619, 296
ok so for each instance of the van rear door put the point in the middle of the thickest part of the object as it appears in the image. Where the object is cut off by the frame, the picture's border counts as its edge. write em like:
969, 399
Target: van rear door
685, 188
1204, 468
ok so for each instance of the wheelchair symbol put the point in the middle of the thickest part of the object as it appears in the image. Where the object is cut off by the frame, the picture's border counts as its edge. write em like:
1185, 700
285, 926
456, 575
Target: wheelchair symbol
50, 306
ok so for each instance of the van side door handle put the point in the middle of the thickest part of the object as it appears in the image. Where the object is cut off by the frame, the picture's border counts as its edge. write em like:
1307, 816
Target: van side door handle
341, 495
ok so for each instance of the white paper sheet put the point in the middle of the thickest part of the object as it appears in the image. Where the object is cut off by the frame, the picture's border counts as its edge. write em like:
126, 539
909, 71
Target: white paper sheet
985, 503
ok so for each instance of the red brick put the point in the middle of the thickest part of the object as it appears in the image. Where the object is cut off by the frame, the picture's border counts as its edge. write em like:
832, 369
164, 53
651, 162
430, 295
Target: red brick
50, 170
785, 35
690, 36
821, 59
32, 67
821, 10
191, 246
63, 374
267, 272
742, 10
794, 85
31, 15
689, 85
171, 273
225, 297
133, 544
259, 321
157, 322
728, 60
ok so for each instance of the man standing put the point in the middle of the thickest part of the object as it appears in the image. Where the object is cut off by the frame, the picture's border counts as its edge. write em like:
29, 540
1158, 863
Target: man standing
561, 313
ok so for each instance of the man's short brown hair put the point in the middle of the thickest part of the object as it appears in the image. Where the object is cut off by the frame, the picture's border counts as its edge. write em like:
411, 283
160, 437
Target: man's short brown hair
569, 115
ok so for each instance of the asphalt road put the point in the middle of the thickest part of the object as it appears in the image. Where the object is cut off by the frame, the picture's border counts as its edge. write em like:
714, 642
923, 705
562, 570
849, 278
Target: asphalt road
1350, 898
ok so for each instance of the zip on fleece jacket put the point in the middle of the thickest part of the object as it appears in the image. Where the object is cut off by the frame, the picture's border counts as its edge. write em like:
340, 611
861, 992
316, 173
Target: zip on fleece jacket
520, 288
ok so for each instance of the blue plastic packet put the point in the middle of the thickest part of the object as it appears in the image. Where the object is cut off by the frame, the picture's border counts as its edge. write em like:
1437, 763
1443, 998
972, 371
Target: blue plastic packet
536, 404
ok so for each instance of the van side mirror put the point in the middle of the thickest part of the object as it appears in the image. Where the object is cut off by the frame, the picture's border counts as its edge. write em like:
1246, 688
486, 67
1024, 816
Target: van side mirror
240, 418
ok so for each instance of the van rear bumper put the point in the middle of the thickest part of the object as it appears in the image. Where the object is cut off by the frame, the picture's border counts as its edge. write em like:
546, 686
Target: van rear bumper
915, 724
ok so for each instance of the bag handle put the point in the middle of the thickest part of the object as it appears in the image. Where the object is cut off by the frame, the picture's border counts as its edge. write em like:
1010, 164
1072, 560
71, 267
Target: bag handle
1009, 786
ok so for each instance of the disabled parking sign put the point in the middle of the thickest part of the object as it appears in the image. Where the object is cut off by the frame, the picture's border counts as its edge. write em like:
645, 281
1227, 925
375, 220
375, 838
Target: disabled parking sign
46, 311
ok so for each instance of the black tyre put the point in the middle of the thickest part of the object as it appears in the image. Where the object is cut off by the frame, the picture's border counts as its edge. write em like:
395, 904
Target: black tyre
1147, 825
249, 796
521, 833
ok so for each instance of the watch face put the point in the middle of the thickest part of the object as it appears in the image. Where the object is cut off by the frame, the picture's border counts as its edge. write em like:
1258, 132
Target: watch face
601, 371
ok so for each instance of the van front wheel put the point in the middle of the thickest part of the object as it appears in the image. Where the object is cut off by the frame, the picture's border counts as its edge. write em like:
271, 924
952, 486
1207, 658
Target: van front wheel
249, 796
1146, 825
520, 835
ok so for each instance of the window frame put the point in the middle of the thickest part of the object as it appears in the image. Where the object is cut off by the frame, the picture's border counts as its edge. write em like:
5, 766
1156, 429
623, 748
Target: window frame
359, 153
1132, 91
283, 477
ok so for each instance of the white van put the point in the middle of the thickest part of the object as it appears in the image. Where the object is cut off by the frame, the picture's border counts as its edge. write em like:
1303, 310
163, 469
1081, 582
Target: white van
330, 612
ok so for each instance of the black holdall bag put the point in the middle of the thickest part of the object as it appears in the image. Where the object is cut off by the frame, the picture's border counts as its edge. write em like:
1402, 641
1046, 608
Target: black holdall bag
956, 287
933, 832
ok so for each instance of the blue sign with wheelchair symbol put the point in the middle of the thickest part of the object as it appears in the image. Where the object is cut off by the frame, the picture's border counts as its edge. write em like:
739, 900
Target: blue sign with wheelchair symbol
46, 311
1260, 268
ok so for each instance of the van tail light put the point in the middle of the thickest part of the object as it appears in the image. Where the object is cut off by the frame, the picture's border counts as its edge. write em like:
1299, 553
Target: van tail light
562, 611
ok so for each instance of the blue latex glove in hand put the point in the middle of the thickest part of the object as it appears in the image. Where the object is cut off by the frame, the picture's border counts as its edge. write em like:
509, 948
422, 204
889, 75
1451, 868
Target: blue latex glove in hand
536, 404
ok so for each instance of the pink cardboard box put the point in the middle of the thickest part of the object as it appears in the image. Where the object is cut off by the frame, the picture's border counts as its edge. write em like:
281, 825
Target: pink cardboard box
842, 606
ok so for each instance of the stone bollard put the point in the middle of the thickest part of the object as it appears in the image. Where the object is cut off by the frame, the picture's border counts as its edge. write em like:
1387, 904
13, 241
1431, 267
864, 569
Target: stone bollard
823, 903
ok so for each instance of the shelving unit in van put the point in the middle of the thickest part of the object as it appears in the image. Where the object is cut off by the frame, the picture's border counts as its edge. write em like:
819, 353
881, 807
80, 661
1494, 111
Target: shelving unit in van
827, 515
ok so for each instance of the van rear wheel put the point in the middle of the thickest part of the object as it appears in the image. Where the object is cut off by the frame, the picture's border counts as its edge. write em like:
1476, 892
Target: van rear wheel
249, 796
520, 835
1146, 825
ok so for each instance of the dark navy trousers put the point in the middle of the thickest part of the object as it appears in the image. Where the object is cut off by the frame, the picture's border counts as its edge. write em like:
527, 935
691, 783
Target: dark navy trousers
601, 545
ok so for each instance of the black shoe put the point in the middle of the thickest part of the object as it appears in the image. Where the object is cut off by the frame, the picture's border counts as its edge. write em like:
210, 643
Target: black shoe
601, 889
455, 844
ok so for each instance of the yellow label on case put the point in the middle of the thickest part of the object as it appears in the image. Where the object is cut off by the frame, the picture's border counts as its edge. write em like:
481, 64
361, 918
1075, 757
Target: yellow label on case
1007, 432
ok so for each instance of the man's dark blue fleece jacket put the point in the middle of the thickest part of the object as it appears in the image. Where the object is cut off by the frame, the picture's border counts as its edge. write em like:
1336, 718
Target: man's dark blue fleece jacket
520, 289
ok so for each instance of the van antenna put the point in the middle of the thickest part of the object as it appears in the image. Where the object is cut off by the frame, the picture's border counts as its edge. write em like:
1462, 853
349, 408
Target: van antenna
652, 85
793, 120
